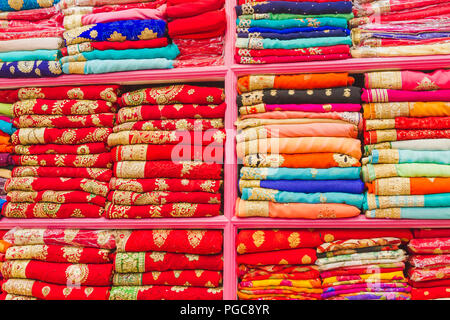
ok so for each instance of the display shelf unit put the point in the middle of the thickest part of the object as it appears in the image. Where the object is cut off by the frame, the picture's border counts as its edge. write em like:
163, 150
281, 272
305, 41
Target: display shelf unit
228, 73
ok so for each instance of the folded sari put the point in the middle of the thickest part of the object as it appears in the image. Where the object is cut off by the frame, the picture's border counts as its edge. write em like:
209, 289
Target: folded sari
177, 241
298, 81
431, 233
408, 80
51, 210
320, 160
295, 7
106, 66
102, 160
339, 49
255, 43
6, 108
8, 296
376, 288
81, 149
429, 261
359, 263
357, 250
62, 254
299, 130
249, 241
292, 23
30, 69
56, 197
372, 201
372, 172
391, 110
374, 296
65, 173
181, 9
26, 5
64, 4
347, 146
107, 45
39, 121
338, 32
282, 96
202, 23
408, 186
178, 93
167, 169
143, 152
290, 276
76, 21
320, 108
170, 210
57, 184
428, 274
387, 277
50, 291
409, 123
165, 293
430, 245
260, 194
324, 262
247, 173
31, 44
116, 31
377, 136
129, 198
169, 52
28, 136
163, 112
357, 243
61, 107
381, 7
302, 256
410, 213
389, 95
90, 92
43, 55
160, 261
304, 186
407, 156
311, 283
169, 125
416, 145
161, 184
59, 273
430, 293
275, 294
294, 210
412, 50
182, 137
29, 14
102, 239
368, 269
377, 42
189, 278
330, 235
430, 283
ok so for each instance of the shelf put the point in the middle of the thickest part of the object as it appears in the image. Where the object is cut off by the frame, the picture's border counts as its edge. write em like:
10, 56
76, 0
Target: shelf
348, 65
357, 222
103, 223
128, 77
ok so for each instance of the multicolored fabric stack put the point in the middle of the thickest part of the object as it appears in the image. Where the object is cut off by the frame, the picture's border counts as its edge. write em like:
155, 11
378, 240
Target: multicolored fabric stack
197, 27
429, 273
407, 144
292, 31
63, 164
167, 149
363, 264
298, 142
109, 37
30, 39
278, 265
389, 28
7, 128
58, 264
168, 265
4, 245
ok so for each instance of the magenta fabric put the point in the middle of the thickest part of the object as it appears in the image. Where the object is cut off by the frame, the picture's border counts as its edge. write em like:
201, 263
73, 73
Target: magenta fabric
130, 14
388, 95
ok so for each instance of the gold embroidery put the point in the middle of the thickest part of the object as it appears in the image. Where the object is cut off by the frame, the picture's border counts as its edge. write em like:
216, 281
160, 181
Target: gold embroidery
77, 273
294, 239
147, 34
195, 237
72, 254
426, 84
160, 237
15, 4
258, 238
117, 36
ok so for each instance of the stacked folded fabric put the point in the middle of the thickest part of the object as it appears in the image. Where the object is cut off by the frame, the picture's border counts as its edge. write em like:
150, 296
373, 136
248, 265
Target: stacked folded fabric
363, 265
298, 142
63, 164
197, 27
7, 128
105, 37
407, 144
30, 39
429, 273
4, 245
167, 149
292, 31
388, 28
58, 264
278, 265
168, 265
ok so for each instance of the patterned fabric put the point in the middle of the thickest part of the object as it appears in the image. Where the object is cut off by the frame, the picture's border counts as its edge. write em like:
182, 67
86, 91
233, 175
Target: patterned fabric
30, 69
99, 174
56, 197
303, 256
188, 278
128, 198
51, 210
165, 292
101, 160
357, 243
430, 246
81, 149
61, 107
163, 184
91, 92
28, 136
170, 125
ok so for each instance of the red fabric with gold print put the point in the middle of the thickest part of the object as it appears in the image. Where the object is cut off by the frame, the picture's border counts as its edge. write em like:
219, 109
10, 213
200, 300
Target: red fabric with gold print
86, 148
60, 136
59, 273
102, 160
293, 256
271, 240
175, 185
92, 92
98, 174
171, 124
51, 210
165, 293
189, 278
429, 246
61, 107
64, 122
330, 235
129, 198
430, 293
181, 241
55, 197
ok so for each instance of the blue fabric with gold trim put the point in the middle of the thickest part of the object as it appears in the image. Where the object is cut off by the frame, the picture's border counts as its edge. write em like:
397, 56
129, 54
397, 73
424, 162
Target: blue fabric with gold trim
30, 69
16, 5
48, 55
310, 186
295, 7
248, 173
338, 32
106, 66
117, 31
